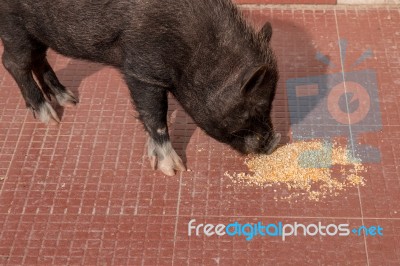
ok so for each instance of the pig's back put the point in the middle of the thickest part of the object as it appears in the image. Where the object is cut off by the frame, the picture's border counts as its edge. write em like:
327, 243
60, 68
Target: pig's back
83, 29
179, 35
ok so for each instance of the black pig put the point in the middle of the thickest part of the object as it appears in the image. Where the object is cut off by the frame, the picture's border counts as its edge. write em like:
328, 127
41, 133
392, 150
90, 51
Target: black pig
221, 71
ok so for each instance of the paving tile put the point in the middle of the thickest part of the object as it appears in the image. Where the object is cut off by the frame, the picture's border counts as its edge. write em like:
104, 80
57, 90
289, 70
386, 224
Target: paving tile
84, 193
214, 250
379, 197
384, 250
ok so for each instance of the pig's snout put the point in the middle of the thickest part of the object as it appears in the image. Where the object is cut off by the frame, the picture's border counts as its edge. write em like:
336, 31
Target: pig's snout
266, 145
274, 143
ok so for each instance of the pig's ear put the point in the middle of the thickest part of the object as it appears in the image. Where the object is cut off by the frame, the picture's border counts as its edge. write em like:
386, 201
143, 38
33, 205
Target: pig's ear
265, 33
253, 80
259, 85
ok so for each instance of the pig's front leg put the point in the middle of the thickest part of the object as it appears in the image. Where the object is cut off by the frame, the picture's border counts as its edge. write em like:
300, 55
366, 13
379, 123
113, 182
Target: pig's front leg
152, 104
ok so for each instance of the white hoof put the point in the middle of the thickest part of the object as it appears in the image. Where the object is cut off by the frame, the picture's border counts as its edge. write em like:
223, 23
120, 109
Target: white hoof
164, 158
66, 98
47, 114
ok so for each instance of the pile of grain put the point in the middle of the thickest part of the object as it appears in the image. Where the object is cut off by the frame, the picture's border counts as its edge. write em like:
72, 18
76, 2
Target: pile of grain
313, 169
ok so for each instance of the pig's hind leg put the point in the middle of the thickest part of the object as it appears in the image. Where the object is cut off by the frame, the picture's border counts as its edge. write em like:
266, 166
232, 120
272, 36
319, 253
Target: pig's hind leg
152, 104
48, 80
17, 59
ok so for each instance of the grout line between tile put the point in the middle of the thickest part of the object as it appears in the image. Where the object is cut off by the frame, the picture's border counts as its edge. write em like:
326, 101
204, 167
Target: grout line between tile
16, 145
315, 7
51, 211
94, 144
140, 185
177, 216
237, 216
12, 246
350, 129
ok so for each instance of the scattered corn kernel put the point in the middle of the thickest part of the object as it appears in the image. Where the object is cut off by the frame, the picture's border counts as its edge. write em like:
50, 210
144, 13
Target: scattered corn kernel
304, 169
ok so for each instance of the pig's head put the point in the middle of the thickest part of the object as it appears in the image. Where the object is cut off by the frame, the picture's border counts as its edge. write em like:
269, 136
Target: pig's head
247, 120
244, 120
